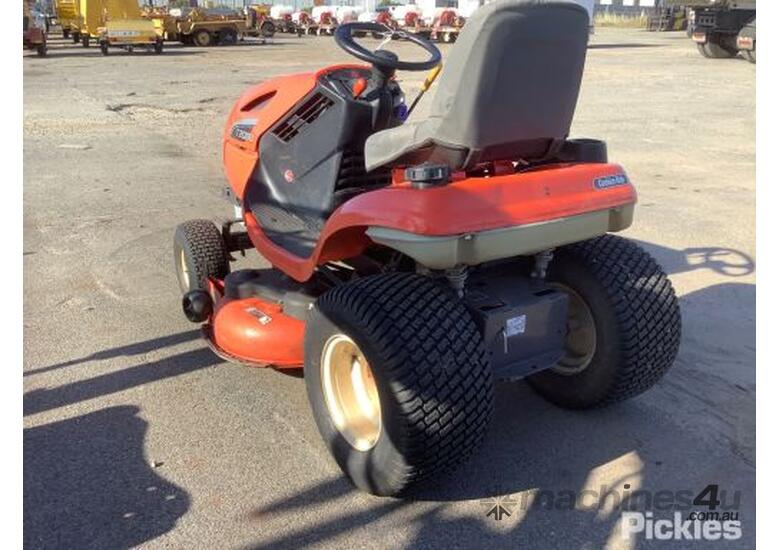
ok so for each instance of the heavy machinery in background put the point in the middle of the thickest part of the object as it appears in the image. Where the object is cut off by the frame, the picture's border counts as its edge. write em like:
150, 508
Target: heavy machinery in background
303, 21
68, 14
447, 25
410, 19
118, 24
324, 20
205, 27
721, 28
33, 30
282, 17
668, 18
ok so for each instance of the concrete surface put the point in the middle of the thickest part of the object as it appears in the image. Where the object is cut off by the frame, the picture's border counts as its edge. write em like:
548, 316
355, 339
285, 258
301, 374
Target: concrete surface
135, 434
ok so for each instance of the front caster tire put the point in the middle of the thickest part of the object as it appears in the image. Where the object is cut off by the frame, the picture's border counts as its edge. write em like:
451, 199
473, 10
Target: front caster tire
199, 253
624, 324
85, 40
398, 379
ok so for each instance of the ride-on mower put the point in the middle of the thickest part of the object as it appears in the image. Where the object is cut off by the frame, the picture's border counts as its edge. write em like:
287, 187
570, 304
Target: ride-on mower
417, 261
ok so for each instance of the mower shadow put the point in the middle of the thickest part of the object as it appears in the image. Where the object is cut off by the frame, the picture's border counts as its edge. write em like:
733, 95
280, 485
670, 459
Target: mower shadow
615, 459
87, 484
40, 400
543, 457
136, 348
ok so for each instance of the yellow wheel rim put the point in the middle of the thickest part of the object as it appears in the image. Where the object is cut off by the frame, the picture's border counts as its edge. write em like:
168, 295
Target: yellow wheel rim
184, 271
580, 345
350, 392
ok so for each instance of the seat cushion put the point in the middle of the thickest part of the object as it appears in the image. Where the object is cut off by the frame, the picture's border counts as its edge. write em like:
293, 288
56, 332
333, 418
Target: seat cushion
507, 91
411, 143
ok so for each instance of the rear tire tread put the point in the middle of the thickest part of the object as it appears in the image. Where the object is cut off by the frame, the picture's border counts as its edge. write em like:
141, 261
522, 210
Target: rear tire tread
646, 312
417, 326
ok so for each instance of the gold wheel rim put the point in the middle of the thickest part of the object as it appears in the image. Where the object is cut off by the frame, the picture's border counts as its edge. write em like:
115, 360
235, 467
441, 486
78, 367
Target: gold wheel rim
350, 392
580, 342
184, 271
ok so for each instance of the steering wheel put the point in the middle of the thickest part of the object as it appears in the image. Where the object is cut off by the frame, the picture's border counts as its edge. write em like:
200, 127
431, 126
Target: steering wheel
381, 58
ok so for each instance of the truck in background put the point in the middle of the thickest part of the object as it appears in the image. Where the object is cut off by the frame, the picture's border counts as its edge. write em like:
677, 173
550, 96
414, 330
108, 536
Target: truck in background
722, 28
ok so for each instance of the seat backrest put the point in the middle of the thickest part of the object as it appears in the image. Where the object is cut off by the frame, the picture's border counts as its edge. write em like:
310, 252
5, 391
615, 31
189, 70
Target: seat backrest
510, 84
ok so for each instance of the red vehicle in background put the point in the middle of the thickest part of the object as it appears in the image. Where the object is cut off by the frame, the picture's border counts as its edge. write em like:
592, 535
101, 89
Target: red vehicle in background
447, 26
34, 32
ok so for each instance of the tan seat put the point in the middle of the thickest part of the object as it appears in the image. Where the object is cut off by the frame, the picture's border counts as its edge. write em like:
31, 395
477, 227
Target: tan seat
508, 90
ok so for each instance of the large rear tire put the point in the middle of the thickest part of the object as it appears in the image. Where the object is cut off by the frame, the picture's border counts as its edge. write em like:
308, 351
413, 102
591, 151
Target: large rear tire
624, 324
199, 252
713, 50
398, 379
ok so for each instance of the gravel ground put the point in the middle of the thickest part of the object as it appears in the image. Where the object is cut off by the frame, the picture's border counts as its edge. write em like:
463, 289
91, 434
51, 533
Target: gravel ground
135, 434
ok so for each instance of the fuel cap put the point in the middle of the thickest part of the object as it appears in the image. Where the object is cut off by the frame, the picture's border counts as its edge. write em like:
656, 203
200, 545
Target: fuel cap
428, 175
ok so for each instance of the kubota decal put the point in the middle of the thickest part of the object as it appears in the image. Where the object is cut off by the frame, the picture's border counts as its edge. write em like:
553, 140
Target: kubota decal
242, 129
605, 182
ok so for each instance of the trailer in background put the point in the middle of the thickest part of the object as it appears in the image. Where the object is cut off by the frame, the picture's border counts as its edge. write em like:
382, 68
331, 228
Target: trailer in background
118, 24
68, 16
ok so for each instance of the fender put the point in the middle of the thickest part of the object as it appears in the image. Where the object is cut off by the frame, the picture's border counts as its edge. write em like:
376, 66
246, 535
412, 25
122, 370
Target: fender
468, 206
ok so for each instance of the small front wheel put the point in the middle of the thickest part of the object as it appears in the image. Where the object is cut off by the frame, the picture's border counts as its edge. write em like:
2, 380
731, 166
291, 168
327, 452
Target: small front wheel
85, 40
623, 329
199, 253
398, 380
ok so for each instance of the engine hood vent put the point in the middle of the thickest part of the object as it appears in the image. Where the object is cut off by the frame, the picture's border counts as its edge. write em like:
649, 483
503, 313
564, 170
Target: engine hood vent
303, 115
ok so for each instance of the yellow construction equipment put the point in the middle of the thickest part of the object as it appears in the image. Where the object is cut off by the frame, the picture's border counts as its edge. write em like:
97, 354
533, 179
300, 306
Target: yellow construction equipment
69, 16
204, 27
118, 23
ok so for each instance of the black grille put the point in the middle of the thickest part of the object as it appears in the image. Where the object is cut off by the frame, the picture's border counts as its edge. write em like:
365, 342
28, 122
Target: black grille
353, 177
303, 115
